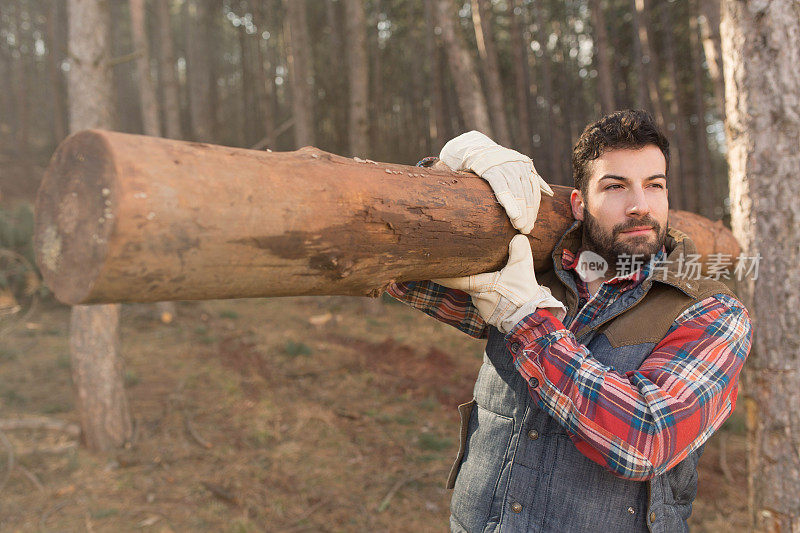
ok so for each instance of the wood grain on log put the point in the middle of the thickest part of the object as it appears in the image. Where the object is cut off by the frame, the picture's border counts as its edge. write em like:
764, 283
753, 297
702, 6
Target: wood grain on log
123, 218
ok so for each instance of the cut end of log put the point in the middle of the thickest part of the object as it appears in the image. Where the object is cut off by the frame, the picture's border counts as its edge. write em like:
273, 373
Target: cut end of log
75, 215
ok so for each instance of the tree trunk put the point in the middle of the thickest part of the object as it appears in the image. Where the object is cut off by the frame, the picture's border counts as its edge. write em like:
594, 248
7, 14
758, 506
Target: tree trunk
641, 95
148, 101
248, 97
6, 105
94, 345
567, 104
650, 71
377, 128
55, 54
677, 117
97, 377
417, 108
298, 50
547, 128
462, 68
437, 119
266, 81
147, 93
707, 182
709, 29
604, 85
199, 70
169, 79
21, 82
760, 45
164, 220
213, 32
357, 70
482, 21
336, 53
519, 50
709, 26
358, 76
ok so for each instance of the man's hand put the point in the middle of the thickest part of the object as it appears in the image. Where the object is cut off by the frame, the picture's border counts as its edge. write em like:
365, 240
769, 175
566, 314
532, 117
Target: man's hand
504, 298
512, 176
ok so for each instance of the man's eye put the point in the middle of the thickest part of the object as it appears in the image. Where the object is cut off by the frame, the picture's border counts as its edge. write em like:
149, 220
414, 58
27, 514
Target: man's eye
659, 185
615, 186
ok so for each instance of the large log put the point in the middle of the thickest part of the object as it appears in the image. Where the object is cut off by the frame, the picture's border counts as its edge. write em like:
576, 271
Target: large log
129, 218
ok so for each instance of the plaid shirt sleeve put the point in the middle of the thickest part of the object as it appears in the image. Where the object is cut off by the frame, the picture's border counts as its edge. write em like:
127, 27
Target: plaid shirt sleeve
639, 424
451, 306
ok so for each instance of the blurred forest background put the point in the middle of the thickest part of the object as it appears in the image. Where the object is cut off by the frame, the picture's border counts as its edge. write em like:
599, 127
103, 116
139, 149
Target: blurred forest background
391, 80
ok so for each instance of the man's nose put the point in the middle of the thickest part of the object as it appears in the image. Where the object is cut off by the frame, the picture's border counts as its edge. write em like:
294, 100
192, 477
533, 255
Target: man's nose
637, 204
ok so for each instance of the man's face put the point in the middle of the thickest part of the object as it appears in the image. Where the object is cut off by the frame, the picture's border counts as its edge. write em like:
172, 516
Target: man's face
625, 208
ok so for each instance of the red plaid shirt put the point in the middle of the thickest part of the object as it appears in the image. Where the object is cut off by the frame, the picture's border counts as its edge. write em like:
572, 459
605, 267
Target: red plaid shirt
636, 424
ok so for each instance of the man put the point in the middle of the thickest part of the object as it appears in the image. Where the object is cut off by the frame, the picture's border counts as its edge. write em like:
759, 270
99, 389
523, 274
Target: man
597, 390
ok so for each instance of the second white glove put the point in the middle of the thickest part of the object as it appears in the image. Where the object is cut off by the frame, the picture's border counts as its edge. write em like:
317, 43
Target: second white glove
504, 298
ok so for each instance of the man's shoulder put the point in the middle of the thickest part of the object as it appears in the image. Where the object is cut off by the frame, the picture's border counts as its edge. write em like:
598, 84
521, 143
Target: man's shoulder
666, 304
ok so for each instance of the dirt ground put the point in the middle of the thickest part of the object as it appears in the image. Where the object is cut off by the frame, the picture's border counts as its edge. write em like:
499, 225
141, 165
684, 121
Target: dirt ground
290, 414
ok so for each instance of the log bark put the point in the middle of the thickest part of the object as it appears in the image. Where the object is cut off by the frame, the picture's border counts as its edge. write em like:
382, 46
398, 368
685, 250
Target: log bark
125, 218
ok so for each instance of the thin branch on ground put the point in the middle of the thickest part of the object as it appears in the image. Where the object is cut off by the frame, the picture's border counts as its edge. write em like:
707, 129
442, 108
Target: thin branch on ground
297, 525
50, 510
187, 422
221, 493
396, 487
10, 462
51, 450
31, 477
50, 424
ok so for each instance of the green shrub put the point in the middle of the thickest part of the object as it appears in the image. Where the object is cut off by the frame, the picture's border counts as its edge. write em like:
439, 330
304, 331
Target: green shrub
296, 348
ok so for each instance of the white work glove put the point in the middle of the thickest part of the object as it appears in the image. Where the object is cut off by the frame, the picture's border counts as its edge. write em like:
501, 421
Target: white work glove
512, 176
504, 298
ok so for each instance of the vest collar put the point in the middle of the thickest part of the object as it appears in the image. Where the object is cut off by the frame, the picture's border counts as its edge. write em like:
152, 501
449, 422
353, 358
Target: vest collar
680, 250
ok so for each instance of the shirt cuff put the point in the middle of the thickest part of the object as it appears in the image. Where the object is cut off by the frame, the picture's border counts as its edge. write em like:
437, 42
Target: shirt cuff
529, 340
537, 324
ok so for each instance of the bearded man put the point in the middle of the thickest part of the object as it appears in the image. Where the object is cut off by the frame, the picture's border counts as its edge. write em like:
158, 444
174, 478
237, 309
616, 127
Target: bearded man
598, 389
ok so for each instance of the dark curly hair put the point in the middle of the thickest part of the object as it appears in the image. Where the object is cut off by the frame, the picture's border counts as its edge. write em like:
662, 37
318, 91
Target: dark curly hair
630, 128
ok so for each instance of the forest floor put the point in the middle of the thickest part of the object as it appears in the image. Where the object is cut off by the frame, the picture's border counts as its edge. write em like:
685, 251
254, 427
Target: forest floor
286, 414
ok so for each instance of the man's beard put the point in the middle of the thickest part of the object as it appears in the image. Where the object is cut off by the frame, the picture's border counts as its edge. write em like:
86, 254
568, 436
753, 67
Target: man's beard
610, 248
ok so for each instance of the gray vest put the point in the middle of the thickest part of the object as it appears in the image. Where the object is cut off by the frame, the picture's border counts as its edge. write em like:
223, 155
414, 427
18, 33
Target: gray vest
517, 468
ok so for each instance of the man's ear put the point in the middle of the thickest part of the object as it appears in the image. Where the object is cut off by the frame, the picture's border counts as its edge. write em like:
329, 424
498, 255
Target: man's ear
576, 201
